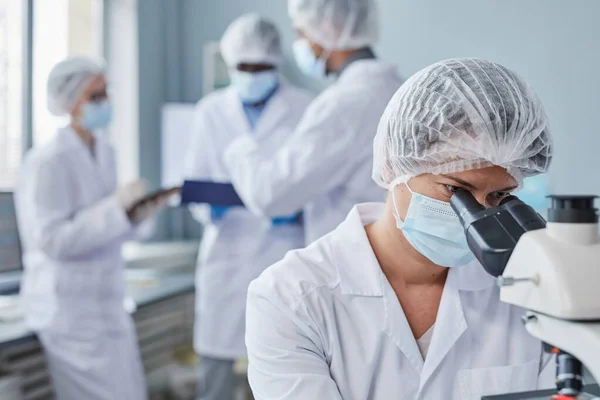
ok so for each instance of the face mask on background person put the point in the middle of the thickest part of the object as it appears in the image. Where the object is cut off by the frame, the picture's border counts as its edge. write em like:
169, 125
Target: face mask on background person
434, 230
254, 87
96, 115
306, 60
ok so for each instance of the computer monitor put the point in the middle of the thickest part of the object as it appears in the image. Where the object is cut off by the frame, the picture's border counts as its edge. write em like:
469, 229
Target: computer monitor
10, 246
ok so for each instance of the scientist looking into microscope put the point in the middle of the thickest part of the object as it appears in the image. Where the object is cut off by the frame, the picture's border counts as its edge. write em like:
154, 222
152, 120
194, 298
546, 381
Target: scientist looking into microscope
392, 304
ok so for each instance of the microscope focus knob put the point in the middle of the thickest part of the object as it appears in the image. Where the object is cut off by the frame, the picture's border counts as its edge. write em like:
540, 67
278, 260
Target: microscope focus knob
509, 280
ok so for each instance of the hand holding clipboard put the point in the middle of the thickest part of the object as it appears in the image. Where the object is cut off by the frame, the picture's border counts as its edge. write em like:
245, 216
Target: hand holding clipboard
224, 195
151, 204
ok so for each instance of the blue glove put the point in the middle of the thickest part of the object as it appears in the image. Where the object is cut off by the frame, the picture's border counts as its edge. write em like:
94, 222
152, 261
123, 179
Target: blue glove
290, 219
218, 212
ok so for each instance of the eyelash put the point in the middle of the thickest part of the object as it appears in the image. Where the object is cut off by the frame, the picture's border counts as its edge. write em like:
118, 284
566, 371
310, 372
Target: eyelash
501, 195
451, 189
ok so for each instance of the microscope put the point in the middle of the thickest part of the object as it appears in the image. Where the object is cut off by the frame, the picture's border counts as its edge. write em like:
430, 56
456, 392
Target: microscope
551, 269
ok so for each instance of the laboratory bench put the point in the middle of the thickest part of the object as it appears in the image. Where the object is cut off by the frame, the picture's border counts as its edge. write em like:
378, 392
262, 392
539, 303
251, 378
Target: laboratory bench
160, 256
160, 297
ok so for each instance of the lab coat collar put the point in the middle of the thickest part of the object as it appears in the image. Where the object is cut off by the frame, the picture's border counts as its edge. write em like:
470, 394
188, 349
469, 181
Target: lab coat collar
361, 275
362, 54
356, 71
234, 111
100, 161
358, 268
472, 277
450, 324
397, 327
276, 110
70, 139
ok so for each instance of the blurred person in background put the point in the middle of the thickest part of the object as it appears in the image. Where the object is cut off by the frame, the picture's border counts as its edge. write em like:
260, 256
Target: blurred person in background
238, 245
324, 166
73, 220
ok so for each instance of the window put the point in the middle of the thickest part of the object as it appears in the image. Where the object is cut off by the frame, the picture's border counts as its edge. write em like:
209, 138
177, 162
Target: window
61, 28
11, 84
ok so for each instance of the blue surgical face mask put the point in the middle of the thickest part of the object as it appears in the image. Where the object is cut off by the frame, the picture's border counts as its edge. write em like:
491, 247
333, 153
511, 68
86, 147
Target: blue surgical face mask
433, 229
254, 87
96, 116
306, 60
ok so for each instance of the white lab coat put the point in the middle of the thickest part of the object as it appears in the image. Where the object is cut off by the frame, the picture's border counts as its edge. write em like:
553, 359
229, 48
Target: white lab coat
324, 323
72, 228
236, 249
325, 165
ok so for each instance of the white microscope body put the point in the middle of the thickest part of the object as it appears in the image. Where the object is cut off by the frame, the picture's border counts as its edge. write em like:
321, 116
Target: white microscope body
556, 275
551, 269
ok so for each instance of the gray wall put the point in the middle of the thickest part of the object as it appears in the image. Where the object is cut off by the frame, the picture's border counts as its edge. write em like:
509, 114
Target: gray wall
206, 21
553, 44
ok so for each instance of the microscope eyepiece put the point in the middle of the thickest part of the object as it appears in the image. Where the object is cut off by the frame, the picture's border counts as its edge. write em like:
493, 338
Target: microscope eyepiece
492, 233
509, 199
465, 206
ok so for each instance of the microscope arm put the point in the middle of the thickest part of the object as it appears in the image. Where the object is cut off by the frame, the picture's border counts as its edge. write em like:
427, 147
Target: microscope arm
581, 339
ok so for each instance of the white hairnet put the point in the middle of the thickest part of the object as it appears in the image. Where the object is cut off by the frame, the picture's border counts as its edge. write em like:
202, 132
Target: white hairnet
337, 24
67, 81
458, 115
251, 39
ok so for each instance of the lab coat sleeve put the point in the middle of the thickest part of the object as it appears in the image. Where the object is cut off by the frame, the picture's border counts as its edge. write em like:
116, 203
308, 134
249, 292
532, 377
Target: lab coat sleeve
62, 234
285, 363
315, 159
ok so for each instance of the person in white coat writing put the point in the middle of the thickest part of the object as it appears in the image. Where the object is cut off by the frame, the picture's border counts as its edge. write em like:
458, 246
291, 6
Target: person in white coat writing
238, 245
324, 166
73, 220
392, 304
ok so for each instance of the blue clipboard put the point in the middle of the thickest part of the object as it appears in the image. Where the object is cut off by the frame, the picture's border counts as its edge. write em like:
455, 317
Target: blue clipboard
219, 194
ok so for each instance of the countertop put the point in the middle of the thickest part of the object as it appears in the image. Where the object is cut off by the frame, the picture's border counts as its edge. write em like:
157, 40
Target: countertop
149, 280
141, 291
158, 255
